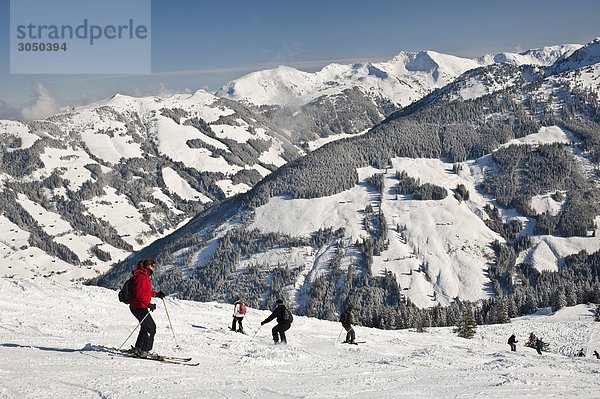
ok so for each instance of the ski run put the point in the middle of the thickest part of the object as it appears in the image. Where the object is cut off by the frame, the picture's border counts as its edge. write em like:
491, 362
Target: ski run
56, 339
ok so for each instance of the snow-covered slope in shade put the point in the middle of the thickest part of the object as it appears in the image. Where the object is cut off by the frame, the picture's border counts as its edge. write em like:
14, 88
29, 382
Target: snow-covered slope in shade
54, 341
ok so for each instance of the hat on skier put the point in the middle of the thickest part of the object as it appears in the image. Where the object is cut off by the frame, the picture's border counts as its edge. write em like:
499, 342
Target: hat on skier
279, 301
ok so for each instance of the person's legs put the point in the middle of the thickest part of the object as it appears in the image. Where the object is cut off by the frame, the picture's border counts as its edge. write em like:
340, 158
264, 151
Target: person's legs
149, 328
348, 329
241, 329
145, 339
275, 332
282, 329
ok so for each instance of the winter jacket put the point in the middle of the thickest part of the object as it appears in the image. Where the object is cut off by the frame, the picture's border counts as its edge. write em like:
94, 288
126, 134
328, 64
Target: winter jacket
277, 313
142, 289
349, 320
539, 344
237, 309
512, 340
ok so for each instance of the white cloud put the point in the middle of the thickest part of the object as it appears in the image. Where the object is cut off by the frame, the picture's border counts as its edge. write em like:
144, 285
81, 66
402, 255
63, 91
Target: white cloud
43, 104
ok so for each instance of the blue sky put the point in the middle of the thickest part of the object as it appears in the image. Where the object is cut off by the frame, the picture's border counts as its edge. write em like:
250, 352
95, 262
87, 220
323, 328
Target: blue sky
204, 44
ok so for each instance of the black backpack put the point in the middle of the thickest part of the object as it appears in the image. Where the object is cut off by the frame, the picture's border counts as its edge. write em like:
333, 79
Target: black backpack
343, 317
126, 293
287, 316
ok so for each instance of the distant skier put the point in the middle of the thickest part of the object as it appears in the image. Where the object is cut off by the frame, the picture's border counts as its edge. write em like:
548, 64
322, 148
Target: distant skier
239, 310
580, 353
141, 307
347, 320
512, 341
539, 344
284, 322
597, 355
532, 341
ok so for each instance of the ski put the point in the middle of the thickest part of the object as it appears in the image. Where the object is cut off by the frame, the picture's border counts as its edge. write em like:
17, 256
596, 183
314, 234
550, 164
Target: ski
180, 359
354, 343
164, 359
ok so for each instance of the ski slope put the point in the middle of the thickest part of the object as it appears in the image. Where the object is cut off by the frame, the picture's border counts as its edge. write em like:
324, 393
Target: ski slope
52, 337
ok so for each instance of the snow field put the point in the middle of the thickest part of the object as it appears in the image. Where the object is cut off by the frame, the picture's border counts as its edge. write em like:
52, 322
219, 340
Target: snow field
52, 336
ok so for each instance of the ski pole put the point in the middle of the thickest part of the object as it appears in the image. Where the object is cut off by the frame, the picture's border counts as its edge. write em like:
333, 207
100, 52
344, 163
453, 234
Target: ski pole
256, 332
173, 331
339, 335
132, 331
247, 325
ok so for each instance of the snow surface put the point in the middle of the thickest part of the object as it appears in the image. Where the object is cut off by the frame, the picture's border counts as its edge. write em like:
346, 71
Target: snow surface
54, 336
546, 135
548, 252
182, 188
20, 130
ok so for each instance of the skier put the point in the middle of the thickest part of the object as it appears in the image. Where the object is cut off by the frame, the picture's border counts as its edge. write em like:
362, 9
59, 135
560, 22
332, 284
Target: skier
532, 341
347, 319
597, 355
581, 353
512, 341
539, 344
284, 320
239, 310
141, 307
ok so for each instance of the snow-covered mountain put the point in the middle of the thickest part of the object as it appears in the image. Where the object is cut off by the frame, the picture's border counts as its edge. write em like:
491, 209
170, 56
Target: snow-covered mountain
588, 55
435, 203
55, 339
82, 189
402, 80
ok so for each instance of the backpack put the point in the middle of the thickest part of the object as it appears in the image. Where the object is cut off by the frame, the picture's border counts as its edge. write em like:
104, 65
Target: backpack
242, 308
287, 316
343, 317
126, 293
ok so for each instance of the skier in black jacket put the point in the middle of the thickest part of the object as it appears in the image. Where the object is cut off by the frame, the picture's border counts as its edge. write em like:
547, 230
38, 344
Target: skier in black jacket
512, 341
347, 320
283, 322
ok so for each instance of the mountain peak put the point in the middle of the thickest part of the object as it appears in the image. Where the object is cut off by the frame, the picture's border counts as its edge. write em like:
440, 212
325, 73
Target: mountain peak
582, 57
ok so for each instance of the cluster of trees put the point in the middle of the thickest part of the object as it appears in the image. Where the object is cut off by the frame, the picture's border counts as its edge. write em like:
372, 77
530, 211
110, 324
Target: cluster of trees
427, 191
525, 171
350, 112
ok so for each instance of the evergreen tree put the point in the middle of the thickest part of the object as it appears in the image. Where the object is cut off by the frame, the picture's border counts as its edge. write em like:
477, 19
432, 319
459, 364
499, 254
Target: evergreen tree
467, 326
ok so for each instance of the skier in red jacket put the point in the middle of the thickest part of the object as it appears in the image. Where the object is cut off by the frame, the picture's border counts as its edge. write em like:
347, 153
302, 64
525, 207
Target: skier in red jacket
140, 306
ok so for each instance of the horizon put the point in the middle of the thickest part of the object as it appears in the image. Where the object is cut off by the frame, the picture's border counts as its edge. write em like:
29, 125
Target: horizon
192, 49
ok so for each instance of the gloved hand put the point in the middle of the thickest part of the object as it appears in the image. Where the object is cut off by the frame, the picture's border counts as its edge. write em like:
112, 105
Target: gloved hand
160, 295
152, 307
